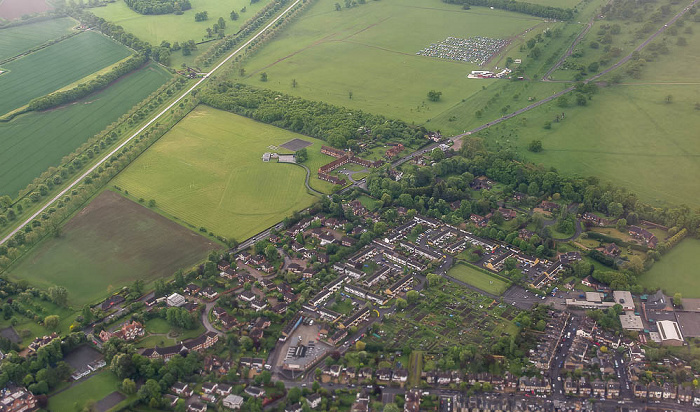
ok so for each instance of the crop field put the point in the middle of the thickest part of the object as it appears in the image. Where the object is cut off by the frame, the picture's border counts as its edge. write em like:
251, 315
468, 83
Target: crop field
676, 271
109, 244
478, 279
56, 66
94, 388
558, 3
157, 28
12, 9
15, 40
208, 172
31, 143
370, 50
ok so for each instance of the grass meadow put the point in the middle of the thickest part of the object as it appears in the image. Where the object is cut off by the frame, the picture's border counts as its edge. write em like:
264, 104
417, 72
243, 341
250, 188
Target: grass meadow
627, 135
370, 50
56, 66
169, 27
15, 40
676, 271
109, 244
208, 172
478, 279
94, 388
31, 143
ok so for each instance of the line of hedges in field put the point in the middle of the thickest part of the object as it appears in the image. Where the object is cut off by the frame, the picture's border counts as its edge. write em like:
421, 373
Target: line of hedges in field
538, 10
84, 89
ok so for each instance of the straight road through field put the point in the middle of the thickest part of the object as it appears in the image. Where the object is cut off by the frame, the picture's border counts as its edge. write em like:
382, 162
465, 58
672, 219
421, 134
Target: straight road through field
150, 122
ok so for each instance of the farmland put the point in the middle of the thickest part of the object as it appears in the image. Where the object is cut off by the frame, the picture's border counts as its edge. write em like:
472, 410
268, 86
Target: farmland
478, 279
15, 40
370, 50
676, 271
207, 172
31, 143
109, 244
12, 9
56, 66
170, 27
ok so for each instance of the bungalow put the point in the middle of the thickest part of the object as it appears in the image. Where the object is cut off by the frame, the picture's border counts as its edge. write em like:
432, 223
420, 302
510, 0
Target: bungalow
612, 250
643, 235
197, 407
209, 387
254, 391
508, 214
549, 206
258, 305
293, 408
191, 289
247, 296
181, 389
594, 219
209, 293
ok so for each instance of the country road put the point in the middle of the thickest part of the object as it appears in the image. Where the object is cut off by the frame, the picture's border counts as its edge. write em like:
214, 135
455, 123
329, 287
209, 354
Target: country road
138, 132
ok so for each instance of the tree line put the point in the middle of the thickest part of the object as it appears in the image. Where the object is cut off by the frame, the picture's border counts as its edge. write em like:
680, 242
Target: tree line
84, 89
158, 6
339, 126
538, 10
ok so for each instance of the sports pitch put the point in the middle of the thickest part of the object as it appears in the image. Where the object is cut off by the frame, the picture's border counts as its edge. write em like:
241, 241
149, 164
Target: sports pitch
57, 66
370, 50
208, 172
33, 142
108, 245
478, 279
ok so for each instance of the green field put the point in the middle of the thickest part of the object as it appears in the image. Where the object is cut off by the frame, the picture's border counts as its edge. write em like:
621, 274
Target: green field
94, 388
55, 67
676, 271
31, 143
15, 40
207, 172
169, 27
478, 279
628, 135
108, 245
370, 50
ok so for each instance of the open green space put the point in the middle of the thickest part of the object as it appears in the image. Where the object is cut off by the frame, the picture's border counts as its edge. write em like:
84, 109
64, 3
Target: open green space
173, 28
478, 279
370, 50
627, 135
33, 142
27, 327
109, 244
676, 271
15, 40
207, 172
94, 388
157, 325
56, 66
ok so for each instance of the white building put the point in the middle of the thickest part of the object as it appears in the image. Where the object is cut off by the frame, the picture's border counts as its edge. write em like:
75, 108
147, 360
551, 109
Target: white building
176, 300
670, 333
233, 401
